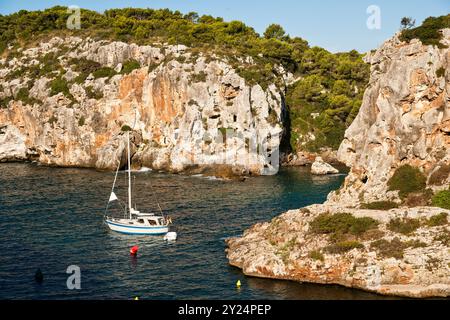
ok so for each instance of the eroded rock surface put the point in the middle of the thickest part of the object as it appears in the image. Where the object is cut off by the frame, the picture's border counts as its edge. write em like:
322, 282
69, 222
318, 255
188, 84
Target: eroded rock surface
186, 110
404, 119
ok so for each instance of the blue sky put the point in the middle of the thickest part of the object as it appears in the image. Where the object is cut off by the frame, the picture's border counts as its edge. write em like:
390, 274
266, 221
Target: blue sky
334, 25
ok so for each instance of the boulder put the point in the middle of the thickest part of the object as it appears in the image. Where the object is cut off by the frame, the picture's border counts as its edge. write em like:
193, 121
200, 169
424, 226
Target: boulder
320, 167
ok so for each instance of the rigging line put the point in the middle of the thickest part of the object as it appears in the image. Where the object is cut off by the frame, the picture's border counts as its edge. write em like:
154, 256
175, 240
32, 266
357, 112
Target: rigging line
156, 198
134, 188
114, 185
135, 116
123, 207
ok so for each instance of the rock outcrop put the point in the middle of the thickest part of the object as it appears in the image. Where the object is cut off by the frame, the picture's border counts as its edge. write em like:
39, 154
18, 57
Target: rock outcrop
186, 109
404, 120
320, 168
287, 249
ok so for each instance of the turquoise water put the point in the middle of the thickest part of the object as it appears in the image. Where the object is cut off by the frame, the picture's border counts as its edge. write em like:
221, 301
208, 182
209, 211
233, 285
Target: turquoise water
52, 218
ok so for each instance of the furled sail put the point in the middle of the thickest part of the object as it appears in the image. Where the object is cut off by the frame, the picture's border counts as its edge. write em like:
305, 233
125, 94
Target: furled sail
113, 197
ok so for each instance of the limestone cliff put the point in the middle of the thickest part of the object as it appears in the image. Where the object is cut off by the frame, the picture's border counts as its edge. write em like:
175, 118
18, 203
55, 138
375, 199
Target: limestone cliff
187, 109
404, 119
404, 122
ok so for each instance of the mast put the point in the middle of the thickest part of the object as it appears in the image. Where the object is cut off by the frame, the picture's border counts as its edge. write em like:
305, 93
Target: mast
129, 175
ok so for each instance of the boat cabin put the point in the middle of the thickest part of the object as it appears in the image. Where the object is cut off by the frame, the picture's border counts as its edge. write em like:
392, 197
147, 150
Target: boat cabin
147, 219
150, 221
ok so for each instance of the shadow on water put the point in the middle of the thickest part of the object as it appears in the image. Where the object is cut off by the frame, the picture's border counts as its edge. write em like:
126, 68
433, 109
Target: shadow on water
52, 218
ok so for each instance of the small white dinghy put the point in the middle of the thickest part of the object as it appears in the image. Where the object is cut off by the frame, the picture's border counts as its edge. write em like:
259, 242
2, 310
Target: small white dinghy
171, 236
134, 222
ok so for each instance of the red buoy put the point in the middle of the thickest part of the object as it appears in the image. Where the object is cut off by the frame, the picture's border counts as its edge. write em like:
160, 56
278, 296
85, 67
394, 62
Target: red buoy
134, 250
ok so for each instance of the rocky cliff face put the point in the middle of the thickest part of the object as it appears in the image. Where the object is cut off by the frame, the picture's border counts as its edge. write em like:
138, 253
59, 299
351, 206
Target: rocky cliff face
404, 120
187, 110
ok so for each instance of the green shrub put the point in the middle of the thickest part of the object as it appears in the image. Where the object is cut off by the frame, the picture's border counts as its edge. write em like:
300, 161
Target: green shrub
18, 73
272, 118
342, 247
129, 66
81, 121
380, 205
4, 102
415, 244
342, 224
443, 237
316, 255
81, 78
442, 199
84, 66
59, 85
395, 248
255, 75
438, 220
389, 249
126, 128
406, 180
440, 72
429, 32
93, 94
104, 72
404, 226
24, 95
52, 119
199, 77
48, 64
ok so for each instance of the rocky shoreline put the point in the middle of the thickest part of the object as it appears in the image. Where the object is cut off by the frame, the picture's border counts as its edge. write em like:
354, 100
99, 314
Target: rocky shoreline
287, 249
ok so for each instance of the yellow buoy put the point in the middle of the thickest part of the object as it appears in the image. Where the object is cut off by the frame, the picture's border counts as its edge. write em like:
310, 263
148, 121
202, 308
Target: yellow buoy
238, 283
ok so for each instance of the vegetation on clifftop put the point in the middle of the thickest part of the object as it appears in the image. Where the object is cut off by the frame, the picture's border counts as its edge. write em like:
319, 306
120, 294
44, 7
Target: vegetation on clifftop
429, 32
341, 226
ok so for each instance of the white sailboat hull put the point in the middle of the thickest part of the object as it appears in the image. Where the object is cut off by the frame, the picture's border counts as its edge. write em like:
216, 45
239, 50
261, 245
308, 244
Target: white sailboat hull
137, 230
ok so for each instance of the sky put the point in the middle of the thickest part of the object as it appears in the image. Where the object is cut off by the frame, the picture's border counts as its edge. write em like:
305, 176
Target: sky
334, 25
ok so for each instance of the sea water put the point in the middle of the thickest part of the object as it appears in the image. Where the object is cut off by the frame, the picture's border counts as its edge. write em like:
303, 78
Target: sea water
52, 218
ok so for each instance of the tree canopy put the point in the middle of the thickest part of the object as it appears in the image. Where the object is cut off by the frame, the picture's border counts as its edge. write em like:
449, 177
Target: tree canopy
275, 31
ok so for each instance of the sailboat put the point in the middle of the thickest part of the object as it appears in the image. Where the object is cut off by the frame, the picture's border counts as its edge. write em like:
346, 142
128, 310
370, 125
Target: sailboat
135, 222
